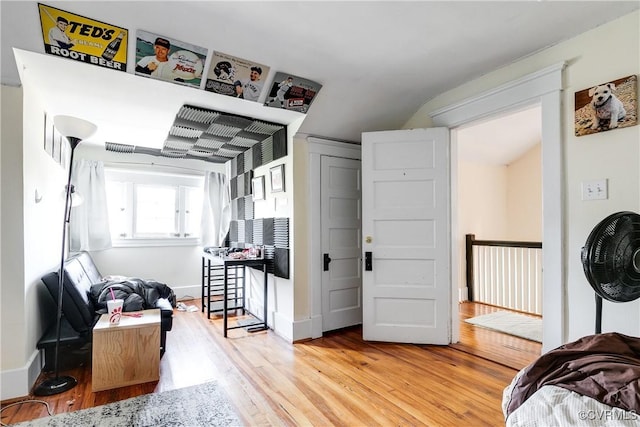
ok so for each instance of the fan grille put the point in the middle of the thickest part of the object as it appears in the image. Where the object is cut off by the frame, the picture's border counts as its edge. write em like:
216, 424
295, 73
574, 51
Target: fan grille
610, 255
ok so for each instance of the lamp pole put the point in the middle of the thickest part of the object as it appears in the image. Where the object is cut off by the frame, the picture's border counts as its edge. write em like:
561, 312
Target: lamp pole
59, 384
67, 126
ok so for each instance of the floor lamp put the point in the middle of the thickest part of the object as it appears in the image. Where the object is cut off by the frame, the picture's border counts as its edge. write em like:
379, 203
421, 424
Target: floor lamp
75, 130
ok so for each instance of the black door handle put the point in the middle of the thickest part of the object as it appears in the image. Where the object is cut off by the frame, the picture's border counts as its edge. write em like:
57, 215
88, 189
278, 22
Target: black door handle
327, 260
368, 261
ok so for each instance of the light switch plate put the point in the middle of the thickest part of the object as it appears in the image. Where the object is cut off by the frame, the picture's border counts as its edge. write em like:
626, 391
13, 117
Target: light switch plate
595, 190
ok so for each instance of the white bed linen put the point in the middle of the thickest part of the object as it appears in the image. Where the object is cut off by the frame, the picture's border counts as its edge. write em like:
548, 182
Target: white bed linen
553, 406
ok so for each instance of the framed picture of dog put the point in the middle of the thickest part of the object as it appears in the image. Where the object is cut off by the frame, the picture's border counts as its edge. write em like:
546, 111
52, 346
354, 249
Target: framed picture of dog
607, 106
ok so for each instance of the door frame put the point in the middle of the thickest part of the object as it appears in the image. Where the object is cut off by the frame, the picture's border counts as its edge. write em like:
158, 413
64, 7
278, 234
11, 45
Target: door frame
334, 222
543, 87
318, 147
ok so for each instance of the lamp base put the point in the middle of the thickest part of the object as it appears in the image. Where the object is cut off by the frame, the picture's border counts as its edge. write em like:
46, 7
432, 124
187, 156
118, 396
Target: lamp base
55, 385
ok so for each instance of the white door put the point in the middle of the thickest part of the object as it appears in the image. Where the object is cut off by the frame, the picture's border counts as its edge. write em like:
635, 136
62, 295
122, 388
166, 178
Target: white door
341, 250
406, 236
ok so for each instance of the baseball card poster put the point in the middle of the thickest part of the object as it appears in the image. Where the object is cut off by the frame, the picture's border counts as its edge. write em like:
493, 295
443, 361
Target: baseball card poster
82, 39
292, 92
237, 77
164, 58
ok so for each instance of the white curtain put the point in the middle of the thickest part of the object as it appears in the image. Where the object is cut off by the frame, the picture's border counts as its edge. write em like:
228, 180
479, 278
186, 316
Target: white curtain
89, 223
216, 209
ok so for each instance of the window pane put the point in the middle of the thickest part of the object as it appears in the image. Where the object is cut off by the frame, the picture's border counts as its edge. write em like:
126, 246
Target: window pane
149, 208
155, 210
117, 208
193, 211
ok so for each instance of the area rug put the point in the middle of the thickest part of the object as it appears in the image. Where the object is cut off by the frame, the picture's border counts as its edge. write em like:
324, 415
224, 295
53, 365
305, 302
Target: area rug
510, 323
199, 405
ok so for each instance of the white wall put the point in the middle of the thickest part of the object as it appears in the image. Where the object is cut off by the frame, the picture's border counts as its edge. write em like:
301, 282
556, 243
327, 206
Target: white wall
524, 197
12, 318
31, 235
482, 201
10, 197
498, 202
302, 308
482, 209
281, 292
614, 155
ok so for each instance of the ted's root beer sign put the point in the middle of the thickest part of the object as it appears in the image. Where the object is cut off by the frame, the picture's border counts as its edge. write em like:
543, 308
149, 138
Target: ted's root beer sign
81, 39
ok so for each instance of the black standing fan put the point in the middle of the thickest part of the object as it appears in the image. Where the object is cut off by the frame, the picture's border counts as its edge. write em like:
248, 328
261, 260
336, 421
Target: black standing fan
611, 260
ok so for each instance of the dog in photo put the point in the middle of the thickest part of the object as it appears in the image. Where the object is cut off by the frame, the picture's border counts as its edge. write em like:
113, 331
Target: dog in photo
606, 106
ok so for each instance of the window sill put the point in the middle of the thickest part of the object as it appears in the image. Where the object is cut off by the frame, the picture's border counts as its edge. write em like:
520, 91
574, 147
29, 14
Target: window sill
140, 243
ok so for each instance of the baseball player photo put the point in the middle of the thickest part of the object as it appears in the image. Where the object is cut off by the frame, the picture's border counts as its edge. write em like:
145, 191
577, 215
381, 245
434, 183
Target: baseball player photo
237, 77
291, 92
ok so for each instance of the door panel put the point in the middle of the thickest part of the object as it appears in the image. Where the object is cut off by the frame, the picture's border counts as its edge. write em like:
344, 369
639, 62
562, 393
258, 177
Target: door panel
340, 202
406, 226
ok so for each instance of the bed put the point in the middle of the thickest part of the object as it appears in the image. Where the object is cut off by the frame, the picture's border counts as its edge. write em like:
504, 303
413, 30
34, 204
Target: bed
594, 381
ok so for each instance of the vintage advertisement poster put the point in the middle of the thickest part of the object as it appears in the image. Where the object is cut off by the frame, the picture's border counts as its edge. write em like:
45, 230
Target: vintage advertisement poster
232, 76
82, 39
292, 93
163, 58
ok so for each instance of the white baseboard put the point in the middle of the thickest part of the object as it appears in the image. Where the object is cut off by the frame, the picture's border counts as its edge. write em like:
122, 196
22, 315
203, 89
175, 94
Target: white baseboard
307, 329
282, 326
187, 292
297, 330
316, 326
301, 330
18, 382
463, 294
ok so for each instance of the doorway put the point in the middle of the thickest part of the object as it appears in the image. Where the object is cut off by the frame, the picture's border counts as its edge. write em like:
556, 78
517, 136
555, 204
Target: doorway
499, 191
499, 199
341, 243
317, 149
543, 87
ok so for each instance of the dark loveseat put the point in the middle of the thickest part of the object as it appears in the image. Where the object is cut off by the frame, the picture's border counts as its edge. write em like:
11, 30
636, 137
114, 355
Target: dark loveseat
82, 306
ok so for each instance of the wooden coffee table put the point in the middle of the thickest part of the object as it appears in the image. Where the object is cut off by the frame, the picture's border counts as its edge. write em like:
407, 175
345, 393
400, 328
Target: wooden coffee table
127, 353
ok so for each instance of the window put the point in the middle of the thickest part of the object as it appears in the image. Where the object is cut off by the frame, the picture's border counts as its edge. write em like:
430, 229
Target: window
151, 208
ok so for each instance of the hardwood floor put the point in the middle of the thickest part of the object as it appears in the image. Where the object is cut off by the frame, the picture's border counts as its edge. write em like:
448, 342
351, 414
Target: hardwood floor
508, 350
338, 379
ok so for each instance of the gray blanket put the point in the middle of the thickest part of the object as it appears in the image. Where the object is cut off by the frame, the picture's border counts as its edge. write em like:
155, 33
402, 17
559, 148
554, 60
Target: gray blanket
138, 294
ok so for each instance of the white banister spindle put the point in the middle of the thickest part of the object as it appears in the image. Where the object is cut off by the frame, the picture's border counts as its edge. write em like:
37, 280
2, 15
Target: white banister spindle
508, 276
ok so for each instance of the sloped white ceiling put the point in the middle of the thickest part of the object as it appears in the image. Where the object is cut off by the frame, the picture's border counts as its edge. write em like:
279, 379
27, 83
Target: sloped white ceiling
501, 140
